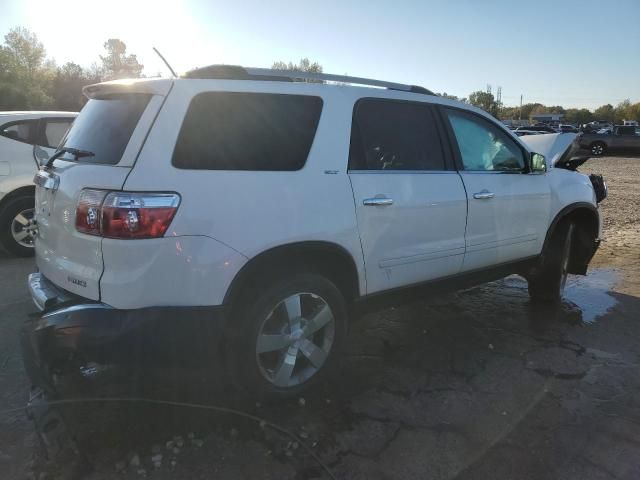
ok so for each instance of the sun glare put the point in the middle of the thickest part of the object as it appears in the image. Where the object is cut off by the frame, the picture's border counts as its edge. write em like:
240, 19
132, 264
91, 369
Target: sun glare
75, 30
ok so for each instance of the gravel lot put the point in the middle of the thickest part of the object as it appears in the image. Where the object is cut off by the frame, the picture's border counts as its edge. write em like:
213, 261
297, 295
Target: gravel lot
475, 385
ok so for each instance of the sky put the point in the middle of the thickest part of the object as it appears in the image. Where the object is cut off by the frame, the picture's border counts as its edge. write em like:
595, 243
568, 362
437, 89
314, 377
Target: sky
575, 53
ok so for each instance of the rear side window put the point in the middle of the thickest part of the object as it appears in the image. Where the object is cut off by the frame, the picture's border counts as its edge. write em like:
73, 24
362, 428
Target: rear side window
394, 135
52, 131
247, 131
22, 131
105, 126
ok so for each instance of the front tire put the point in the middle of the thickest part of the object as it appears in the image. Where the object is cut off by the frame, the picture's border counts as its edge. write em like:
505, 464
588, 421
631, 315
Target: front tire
549, 282
287, 336
598, 148
17, 226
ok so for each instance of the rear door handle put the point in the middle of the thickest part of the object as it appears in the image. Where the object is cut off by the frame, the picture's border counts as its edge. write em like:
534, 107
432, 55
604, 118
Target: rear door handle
378, 201
483, 195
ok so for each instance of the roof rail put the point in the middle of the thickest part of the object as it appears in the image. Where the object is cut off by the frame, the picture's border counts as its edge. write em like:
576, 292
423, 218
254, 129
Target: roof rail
233, 72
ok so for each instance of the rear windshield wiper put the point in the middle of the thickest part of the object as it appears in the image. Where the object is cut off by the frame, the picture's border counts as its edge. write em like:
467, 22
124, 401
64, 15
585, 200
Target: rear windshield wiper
76, 152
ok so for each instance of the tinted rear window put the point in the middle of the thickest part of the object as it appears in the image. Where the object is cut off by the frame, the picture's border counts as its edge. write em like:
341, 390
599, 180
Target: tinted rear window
21, 131
104, 127
247, 131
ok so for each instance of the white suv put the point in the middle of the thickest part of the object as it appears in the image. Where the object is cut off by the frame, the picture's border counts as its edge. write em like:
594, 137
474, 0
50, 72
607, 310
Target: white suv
236, 210
25, 139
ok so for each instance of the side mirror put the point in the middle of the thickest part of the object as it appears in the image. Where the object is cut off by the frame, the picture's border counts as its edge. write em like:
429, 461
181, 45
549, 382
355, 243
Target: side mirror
538, 163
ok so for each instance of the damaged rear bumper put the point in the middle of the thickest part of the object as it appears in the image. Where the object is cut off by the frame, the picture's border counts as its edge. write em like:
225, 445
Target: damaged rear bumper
73, 336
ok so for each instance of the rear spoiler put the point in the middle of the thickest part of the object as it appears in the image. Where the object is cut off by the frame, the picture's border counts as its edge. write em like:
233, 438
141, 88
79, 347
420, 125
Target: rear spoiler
158, 86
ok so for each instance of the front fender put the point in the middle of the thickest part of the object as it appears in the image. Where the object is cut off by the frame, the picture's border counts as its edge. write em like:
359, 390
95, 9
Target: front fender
571, 188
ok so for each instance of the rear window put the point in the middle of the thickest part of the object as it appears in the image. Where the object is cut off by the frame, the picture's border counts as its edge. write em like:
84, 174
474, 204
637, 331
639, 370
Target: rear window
247, 131
104, 127
52, 131
21, 131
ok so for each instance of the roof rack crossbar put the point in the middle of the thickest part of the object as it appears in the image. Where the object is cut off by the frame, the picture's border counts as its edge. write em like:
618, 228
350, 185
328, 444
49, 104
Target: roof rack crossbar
328, 77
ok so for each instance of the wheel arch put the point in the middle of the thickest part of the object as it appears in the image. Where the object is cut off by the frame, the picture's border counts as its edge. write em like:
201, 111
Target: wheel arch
29, 190
586, 219
327, 258
599, 142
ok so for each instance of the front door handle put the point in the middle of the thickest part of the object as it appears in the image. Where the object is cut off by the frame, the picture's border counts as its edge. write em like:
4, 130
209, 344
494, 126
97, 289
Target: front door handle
378, 201
483, 195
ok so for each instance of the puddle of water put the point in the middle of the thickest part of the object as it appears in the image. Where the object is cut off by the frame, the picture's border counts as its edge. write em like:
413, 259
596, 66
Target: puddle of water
591, 293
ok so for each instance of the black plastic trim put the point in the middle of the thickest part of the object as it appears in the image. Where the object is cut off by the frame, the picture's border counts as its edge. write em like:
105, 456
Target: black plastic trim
452, 283
563, 213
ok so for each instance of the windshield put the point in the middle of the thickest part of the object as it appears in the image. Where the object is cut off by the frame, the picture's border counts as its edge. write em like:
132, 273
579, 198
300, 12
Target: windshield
104, 128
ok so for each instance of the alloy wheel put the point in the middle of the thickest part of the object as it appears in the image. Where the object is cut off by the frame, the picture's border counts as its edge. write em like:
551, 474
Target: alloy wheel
295, 340
23, 228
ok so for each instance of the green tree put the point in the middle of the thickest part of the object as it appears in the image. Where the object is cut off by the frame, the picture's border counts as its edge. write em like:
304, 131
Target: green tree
527, 109
304, 65
117, 64
555, 109
485, 101
67, 86
634, 112
450, 97
578, 116
605, 112
623, 111
25, 74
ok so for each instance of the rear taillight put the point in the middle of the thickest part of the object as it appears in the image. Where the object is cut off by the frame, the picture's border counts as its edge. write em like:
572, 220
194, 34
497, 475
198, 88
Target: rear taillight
125, 215
88, 211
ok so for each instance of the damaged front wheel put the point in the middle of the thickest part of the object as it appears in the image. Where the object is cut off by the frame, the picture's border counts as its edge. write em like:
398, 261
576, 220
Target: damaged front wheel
549, 282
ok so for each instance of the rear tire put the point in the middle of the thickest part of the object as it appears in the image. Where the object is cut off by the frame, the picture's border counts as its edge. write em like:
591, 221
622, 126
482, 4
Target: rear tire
16, 224
285, 337
597, 148
549, 282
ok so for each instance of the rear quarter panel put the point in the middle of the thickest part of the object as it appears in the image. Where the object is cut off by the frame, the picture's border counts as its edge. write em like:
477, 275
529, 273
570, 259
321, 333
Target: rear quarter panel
251, 212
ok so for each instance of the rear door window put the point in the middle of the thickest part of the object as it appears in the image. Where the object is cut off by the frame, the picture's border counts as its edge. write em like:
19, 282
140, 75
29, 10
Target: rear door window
22, 131
105, 126
394, 135
247, 131
52, 131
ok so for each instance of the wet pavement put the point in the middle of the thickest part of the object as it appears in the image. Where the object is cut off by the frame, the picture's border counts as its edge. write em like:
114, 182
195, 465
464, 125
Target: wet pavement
474, 385
477, 384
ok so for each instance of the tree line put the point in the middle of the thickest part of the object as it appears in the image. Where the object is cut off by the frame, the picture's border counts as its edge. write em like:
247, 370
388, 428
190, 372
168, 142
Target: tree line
29, 80
485, 100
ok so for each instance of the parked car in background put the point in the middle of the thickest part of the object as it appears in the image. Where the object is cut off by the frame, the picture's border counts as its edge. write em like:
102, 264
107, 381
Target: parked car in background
25, 139
234, 209
538, 128
567, 129
523, 133
621, 138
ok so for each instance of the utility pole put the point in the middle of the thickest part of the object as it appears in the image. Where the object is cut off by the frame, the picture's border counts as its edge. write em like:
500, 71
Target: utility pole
520, 116
499, 99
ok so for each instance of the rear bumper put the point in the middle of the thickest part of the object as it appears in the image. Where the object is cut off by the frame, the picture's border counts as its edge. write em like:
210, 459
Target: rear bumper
71, 336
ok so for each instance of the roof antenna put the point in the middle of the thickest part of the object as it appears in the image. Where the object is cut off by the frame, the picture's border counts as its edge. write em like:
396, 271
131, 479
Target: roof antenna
165, 62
